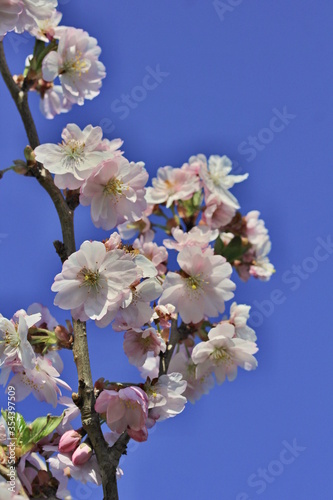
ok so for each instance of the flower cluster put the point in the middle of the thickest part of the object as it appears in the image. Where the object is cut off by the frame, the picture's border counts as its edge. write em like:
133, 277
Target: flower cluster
169, 310
21, 15
33, 372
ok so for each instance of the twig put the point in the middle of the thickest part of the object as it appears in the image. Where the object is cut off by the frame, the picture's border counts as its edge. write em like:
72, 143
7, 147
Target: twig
173, 341
108, 458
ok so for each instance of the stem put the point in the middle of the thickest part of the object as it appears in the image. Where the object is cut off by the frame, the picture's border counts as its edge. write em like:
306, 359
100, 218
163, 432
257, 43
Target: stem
173, 341
108, 458
42, 175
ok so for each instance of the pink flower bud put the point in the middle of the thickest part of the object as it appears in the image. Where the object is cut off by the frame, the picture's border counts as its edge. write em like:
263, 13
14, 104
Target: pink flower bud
82, 454
69, 441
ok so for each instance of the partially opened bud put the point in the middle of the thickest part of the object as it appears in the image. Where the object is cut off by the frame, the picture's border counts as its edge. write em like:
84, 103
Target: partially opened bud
69, 441
82, 454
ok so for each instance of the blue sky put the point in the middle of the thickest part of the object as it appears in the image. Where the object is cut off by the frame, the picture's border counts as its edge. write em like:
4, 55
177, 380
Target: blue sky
252, 80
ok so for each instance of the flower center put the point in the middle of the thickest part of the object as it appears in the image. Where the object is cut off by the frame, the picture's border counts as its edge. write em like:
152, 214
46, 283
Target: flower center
11, 338
145, 342
74, 151
193, 282
89, 278
114, 187
76, 65
220, 354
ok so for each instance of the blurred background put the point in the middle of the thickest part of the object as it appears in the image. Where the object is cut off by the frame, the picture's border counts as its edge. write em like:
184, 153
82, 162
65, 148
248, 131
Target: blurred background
252, 80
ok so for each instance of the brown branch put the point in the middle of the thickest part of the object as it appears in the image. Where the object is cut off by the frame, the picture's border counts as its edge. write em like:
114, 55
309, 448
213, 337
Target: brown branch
108, 458
42, 175
173, 341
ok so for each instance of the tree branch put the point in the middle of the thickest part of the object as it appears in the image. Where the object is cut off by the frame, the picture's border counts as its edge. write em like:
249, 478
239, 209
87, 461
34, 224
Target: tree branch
173, 341
108, 458
42, 175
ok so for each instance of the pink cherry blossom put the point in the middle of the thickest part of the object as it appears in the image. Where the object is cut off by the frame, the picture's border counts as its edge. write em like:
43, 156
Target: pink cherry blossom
166, 398
32, 11
28, 468
222, 353
217, 214
46, 319
70, 413
77, 65
14, 345
43, 381
256, 231
62, 468
115, 191
138, 343
255, 261
216, 178
47, 28
172, 184
20, 15
239, 314
93, 279
9, 14
125, 410
150, 367
158, 255
182, 363
77, 156
203, 289
136, 310
53, 102
197, 237
128, 230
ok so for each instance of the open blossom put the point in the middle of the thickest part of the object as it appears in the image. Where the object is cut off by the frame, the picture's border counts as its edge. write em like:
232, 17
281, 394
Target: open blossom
239, 314
47, 28
77, 156
92, 279
13, 493
222, 353
28, 467
62, 469
53, 102
217, 214
262, 268
255, 261
70, 413
203, 289
136, 310
14, 344
9, 14
47, 320
34, 10
198, 236
158, 255
216, 178
138, 343
42, 380
256, 231
182, 363
126, 409
150, 367
128, 230
166, 398
116, 192
20, 15
77, 65
172, 184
